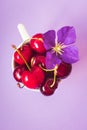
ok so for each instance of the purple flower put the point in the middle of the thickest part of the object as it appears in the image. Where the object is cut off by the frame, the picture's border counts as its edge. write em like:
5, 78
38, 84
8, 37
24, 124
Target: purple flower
60, 48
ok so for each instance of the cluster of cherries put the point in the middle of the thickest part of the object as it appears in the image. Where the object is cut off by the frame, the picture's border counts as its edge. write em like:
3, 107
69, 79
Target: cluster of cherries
30, 67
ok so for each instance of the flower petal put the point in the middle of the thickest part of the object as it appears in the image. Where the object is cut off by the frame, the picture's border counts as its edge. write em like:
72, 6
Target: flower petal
70, 54
49, 39
66, 35
51, 60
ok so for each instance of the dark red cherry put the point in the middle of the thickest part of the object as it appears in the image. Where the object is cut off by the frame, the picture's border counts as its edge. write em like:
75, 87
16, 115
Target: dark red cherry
46, 89
36, 60
64, 70
17, 73
34, 78
49, 74
14, 64
37, 43
26, 53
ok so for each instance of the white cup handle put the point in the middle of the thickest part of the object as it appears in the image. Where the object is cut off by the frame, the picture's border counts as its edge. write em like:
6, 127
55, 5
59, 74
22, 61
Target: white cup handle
23, 32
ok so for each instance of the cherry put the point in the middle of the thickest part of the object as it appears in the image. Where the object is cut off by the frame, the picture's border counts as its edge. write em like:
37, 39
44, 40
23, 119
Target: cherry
36, 60
46, 89
17, 73
50, 74
15, 64
34, 78
64, 70
26, 53
37, 43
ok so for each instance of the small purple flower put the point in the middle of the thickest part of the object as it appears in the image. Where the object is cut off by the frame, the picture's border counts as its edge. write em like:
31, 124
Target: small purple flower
60, 48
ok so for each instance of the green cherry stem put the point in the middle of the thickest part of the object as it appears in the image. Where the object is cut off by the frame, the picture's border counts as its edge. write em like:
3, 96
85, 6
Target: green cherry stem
15, 48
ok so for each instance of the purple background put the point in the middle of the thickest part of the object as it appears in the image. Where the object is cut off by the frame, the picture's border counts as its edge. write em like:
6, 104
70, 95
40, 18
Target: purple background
21, 109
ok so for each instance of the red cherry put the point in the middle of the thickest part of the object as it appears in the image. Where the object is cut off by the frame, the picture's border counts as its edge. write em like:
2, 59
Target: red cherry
36, 60
37, 43
25, 51
17, 73
64, 70
47, 90
15, 64
34, 78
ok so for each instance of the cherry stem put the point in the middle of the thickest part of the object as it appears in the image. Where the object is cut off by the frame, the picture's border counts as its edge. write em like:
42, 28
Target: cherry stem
19, 85
40, 39
15, 48
47, 70
55, 72
54, 79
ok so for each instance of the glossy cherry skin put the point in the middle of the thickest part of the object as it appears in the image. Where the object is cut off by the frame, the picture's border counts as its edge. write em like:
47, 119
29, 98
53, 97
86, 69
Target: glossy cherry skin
46, 89
25, 51
37, 43
34, 78
17, 73
15, 64
64, 70
38, 60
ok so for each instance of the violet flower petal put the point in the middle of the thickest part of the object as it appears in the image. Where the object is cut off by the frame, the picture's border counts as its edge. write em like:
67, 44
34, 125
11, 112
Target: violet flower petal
49, 39
70, 54
66, 35
51, 60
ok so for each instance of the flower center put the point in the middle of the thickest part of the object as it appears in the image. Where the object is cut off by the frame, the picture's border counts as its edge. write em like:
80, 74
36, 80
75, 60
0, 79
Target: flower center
58, 48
